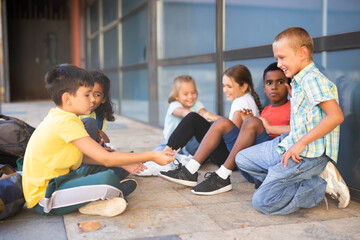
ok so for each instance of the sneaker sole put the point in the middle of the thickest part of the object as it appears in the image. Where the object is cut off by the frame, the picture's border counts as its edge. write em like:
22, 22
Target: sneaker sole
179, 181
118, 206
221, 190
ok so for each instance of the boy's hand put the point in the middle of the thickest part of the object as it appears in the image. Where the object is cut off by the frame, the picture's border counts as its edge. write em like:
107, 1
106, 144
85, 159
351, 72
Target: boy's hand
288, 87
135, 168
165, 156
293, 152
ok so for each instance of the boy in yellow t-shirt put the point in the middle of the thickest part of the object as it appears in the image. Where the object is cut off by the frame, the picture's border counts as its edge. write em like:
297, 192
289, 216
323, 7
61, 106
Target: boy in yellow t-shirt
53, 181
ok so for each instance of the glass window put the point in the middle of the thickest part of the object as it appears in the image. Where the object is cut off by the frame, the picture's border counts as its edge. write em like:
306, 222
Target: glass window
205, 79
94, 17
252, 23
135, 35
110, 10
129, 5
186, 28
114, 88
343, 16
94, 53
343, 68
134, 101
111, 50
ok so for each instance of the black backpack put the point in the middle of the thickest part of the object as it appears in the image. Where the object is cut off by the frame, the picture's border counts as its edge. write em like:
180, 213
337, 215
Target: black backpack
14, 136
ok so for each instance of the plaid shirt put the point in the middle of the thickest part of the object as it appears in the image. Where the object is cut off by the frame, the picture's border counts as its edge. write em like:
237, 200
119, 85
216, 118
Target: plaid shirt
309, 88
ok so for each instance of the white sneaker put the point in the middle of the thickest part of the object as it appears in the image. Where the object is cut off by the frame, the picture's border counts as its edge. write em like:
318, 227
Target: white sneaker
153, 169
336, 186
106, 208
183, 159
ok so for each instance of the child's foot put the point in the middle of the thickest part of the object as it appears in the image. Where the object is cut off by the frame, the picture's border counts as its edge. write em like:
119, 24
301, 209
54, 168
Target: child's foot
336, 186
153, 169
181, 176
213, 184
127, 186
106, 208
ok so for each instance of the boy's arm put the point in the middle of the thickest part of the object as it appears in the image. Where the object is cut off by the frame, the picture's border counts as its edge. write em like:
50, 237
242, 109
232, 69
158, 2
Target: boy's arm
274, 129
95, 154
333, 117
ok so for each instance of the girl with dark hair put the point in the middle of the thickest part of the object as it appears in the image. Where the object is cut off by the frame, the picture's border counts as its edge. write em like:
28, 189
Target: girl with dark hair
102, 109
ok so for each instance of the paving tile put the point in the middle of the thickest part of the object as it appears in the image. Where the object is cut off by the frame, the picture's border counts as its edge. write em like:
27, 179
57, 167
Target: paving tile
209, 235
143, 223
30, 225
231, 215
303, 231
349, 227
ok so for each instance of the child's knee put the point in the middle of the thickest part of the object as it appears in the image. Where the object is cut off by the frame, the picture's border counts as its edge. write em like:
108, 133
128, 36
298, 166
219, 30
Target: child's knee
239, 160
252, 122
258, 202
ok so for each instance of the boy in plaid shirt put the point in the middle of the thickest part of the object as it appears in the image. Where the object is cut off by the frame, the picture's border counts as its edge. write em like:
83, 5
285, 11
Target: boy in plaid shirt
289, 166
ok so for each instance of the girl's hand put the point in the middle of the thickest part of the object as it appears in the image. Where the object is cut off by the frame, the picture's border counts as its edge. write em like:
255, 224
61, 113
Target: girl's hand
245, 113
164, 157
135, 168
293, 152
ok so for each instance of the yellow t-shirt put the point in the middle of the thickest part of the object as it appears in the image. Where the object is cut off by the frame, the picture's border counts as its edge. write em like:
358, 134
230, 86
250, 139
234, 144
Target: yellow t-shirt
93, 115
50, 153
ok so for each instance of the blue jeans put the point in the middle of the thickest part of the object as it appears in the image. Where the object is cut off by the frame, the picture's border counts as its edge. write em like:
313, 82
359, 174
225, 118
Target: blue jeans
284, 189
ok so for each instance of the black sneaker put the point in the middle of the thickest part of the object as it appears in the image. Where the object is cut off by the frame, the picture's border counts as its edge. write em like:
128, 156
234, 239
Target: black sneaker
127, 186
181, 176
213, 184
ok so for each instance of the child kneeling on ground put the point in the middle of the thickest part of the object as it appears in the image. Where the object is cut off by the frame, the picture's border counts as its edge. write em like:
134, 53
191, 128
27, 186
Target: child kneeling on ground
53, 181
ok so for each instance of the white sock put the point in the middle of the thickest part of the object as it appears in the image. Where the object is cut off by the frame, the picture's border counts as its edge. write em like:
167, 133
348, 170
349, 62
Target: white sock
193, 166
223, 172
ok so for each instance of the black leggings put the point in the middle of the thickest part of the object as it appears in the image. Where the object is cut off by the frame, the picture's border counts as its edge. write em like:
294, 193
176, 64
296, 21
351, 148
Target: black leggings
195, 125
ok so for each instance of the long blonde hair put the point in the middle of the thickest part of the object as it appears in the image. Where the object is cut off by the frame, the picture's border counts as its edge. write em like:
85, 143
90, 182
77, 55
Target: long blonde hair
178, 81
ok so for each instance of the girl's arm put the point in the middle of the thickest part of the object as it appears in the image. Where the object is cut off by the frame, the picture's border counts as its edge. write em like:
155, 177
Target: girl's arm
97, 155
274, 129
208, 115
181, 112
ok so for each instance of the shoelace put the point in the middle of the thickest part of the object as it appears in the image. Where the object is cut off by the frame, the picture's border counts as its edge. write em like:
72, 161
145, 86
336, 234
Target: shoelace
211, 178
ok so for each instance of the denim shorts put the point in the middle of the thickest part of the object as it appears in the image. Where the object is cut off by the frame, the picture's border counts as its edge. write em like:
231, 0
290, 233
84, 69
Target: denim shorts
231, 136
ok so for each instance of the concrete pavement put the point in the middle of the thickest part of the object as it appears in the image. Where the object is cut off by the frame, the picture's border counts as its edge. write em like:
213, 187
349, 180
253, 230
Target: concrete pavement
162, 210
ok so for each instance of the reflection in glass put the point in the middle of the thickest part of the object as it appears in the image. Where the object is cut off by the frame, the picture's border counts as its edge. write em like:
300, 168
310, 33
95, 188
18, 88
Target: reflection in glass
253, 23
134, 100
129, 5
343, 16
344, 70
94, 53
110, 9
114, 88
186, 28
111, 50
94, 17
205, 79
134, 37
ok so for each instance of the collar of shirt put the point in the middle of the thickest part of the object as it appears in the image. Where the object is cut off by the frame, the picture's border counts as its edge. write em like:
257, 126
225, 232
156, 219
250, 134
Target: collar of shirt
299, 76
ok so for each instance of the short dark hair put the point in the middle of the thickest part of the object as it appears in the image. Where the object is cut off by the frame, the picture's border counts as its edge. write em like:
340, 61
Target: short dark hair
66, 78
273, 67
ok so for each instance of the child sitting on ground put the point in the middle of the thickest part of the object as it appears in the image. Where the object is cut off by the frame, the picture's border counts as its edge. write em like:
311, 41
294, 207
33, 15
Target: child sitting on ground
102, 110
238, 87
289, 166
182, 100
276, 118
53, 183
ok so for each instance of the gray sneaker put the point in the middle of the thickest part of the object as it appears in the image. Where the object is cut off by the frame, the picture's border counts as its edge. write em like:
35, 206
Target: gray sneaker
181, 176
213, 184
336, 186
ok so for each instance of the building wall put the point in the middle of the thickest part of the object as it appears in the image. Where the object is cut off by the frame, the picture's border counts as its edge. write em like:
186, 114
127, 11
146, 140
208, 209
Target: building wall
143, 45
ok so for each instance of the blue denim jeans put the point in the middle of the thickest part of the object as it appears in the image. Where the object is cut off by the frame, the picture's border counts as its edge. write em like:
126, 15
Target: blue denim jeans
284, 189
